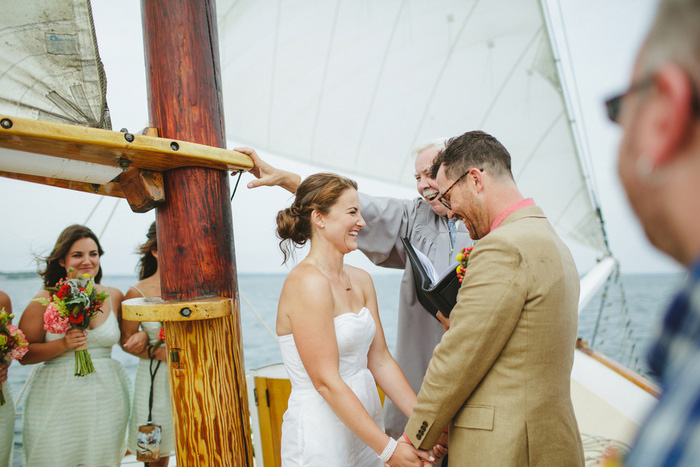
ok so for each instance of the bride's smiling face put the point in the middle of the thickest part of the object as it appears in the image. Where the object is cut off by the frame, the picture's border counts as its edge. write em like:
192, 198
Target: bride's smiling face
343, 222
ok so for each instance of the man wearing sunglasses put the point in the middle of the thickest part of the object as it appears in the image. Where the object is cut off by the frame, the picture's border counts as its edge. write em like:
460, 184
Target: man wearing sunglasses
501, 376
424, 221
659, 166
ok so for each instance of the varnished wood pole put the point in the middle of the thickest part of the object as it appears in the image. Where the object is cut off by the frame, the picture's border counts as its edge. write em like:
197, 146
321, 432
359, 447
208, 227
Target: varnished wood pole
195, 236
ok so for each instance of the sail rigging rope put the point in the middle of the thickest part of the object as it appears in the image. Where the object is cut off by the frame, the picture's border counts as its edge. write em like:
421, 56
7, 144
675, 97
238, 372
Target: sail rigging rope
613, 330
109, 218
257, 315
236, 186
99, 200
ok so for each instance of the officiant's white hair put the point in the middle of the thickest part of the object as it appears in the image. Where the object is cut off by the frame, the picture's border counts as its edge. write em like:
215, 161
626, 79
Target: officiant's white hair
438, 143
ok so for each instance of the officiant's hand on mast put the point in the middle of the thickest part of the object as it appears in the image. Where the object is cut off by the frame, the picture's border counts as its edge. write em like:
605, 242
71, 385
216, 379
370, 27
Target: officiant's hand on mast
268, 175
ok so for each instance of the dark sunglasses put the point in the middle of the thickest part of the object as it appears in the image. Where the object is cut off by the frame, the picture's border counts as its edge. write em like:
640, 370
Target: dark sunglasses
445, 201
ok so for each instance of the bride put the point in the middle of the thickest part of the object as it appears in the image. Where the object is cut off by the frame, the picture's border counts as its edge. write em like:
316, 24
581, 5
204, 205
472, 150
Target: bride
332, 341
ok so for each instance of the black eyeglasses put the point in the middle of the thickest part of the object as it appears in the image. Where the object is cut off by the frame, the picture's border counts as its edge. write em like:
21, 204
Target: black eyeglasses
614, 104
446, 202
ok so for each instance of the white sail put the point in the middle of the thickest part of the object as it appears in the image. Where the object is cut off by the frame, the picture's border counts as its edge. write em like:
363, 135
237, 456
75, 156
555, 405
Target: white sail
352, 86
49, 64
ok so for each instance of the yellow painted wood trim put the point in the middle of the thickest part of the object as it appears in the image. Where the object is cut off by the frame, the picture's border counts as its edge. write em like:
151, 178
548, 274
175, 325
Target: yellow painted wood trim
157, 309
112, 148
267, 444
272, 395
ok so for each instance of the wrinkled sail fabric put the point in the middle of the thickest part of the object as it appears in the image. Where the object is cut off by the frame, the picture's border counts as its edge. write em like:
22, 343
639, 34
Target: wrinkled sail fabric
50, 68
352, 86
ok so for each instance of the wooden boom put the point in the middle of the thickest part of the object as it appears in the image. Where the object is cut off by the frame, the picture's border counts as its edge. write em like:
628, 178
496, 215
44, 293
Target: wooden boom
23, 138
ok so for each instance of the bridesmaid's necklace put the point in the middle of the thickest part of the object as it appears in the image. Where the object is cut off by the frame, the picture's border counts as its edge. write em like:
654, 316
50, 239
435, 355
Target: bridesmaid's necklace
347, 288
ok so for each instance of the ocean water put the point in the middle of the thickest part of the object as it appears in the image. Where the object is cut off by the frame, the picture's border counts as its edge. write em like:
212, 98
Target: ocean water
622, 333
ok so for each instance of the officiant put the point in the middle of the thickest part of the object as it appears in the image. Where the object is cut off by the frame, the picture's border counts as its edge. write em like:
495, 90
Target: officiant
423, 220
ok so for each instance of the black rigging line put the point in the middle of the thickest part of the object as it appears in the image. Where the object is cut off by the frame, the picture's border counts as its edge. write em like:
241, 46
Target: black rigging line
236, 186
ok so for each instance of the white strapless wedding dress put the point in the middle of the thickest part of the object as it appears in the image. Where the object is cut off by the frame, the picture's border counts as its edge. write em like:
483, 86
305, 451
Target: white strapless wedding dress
312, 435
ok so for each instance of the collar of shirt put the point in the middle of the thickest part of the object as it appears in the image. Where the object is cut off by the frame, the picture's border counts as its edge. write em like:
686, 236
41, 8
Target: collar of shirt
523, 203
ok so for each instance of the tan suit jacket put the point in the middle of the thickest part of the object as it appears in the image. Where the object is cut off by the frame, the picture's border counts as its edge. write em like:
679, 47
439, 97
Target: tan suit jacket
500, 376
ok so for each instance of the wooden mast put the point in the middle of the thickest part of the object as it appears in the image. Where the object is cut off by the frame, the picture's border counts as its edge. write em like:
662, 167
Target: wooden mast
195, 236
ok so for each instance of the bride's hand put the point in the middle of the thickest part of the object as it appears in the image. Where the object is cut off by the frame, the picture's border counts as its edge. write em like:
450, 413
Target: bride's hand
406, 455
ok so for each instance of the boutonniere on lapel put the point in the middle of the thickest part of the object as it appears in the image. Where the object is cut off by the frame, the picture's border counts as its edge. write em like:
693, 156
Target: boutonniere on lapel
463, 259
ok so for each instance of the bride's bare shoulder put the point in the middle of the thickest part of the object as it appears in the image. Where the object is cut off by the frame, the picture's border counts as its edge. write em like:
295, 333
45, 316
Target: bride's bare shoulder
357, 274
306, 276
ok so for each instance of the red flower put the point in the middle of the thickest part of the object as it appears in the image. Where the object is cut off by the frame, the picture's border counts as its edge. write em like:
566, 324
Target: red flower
75, 319
64, 291
161, 334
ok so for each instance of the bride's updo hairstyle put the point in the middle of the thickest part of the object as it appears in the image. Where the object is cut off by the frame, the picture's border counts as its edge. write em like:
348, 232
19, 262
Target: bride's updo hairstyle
320, 192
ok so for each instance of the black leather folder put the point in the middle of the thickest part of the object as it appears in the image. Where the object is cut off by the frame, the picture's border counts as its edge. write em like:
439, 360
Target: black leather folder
441, 296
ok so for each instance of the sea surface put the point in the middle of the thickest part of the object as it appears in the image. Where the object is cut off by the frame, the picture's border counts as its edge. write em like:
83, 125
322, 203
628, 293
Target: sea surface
621, 332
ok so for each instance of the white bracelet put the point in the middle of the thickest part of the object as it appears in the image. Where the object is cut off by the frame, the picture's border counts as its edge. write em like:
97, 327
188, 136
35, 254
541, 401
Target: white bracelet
388, 450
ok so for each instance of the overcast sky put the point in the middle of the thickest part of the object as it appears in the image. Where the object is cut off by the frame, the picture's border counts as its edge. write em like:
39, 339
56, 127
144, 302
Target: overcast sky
602, 37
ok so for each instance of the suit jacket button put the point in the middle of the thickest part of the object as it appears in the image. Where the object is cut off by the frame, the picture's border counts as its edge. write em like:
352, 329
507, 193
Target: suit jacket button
425, 424
419, 435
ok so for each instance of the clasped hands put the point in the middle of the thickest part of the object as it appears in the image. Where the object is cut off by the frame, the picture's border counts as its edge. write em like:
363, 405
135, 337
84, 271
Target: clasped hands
406, 455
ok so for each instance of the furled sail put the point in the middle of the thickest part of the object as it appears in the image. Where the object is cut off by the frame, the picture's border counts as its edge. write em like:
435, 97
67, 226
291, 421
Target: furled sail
352, 86
49, 64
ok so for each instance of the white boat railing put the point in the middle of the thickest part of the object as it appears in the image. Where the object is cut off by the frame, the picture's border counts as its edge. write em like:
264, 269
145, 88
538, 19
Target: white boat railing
595, 279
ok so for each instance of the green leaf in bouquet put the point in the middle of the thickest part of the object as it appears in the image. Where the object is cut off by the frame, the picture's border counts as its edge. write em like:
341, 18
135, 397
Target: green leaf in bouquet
61, 307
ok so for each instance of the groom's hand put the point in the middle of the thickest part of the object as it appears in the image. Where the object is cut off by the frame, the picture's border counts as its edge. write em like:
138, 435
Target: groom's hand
440, 449
445, 321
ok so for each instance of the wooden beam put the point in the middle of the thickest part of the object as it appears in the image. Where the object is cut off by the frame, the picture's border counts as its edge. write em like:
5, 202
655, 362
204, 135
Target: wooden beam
157, 309
143, 189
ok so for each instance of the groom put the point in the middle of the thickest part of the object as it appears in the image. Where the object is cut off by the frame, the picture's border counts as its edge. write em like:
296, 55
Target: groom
500, 377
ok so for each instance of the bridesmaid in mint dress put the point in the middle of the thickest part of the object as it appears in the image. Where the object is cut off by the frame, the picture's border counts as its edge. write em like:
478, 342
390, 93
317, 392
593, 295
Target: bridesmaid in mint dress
7, 411
71, 420
136, 342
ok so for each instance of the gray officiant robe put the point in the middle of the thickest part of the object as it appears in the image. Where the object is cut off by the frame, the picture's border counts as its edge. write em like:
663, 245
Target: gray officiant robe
389, 219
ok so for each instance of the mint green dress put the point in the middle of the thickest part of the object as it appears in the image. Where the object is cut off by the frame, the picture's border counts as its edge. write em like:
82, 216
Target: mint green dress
162, 411
78, 420
7, 426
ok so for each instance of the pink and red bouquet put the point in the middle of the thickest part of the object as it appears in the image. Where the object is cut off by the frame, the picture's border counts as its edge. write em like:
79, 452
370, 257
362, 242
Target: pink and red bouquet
13, 345
73, 304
